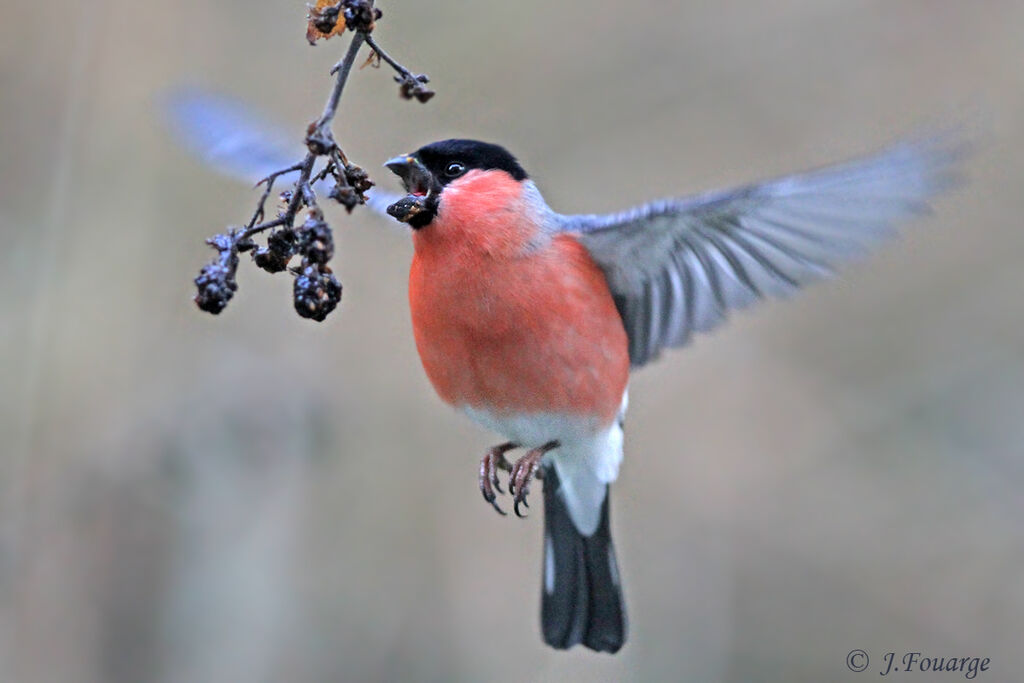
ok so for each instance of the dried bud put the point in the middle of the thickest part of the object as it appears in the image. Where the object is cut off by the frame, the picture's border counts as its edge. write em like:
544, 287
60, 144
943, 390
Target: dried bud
346, 196
316, 291
414, 86
316, 243
357, 178
216, 283
318, 140
360, 15
281, 246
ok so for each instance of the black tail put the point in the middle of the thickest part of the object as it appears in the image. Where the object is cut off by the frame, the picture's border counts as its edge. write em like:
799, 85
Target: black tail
581, 600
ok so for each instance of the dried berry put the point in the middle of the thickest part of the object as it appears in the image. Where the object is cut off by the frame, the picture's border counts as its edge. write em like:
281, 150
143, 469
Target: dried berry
281, 246
316, 291
315, 241
216, 283
405, 208
416, 210
215, 286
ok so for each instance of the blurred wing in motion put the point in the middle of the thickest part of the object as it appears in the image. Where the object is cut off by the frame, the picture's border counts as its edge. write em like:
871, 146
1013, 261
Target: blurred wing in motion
678, 266
227, 135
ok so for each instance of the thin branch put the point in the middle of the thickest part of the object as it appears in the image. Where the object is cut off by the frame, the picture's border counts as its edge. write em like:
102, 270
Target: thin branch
316, 290
269, 181
341, 70
320, 134
388, 58
273, 176
412, 85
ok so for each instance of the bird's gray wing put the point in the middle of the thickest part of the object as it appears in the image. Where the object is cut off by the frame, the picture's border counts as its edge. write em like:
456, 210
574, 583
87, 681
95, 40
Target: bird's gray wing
678, 266
231, 138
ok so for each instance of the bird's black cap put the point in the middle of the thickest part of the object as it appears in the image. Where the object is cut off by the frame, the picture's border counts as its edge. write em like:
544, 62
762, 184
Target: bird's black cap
472, 154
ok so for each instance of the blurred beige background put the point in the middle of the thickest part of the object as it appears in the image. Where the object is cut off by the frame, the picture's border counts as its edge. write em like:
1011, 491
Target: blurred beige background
255, 497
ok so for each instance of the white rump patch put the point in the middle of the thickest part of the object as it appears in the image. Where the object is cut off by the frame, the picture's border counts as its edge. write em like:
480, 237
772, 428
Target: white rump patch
585, 468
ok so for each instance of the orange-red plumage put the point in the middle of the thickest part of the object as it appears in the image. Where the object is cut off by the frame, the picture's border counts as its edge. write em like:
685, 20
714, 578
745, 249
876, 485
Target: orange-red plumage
509, 318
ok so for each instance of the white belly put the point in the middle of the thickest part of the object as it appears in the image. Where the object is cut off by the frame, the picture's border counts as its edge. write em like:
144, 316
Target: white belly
587, 460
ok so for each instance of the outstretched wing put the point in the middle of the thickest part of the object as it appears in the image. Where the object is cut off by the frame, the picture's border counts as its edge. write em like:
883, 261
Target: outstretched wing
228, 136
678, 266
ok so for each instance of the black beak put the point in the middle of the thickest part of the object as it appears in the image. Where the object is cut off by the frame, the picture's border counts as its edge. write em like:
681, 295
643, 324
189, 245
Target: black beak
415, 176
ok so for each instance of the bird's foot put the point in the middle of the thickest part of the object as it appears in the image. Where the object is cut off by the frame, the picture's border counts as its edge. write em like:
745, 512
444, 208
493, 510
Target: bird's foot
489, 466
523, 472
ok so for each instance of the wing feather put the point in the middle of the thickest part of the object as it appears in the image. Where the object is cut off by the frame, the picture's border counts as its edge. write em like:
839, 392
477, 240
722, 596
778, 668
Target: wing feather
678, 266
232, 139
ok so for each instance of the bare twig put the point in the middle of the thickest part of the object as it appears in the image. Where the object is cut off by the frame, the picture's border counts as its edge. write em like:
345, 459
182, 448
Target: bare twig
269, 181
412, 85
316, 290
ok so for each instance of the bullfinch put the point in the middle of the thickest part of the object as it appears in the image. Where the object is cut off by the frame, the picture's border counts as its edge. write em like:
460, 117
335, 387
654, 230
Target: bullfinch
530, 321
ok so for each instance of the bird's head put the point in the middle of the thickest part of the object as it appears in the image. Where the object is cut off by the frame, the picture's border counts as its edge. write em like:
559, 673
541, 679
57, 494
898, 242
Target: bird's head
435, 174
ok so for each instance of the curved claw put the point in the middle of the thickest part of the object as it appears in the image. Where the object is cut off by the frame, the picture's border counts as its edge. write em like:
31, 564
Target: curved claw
525, 470
494, 504
488, 476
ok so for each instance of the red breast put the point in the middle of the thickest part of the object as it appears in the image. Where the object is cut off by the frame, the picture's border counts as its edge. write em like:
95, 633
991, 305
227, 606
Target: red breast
508, 318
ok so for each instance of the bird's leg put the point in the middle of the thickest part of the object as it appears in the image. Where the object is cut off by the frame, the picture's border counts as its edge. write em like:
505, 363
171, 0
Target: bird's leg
524, 471
489, 466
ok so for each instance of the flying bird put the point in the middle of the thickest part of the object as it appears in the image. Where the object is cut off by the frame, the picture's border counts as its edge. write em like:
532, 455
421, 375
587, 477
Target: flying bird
530, 321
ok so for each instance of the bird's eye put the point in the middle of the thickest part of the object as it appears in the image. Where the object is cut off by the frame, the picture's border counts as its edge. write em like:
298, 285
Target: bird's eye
455, 169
